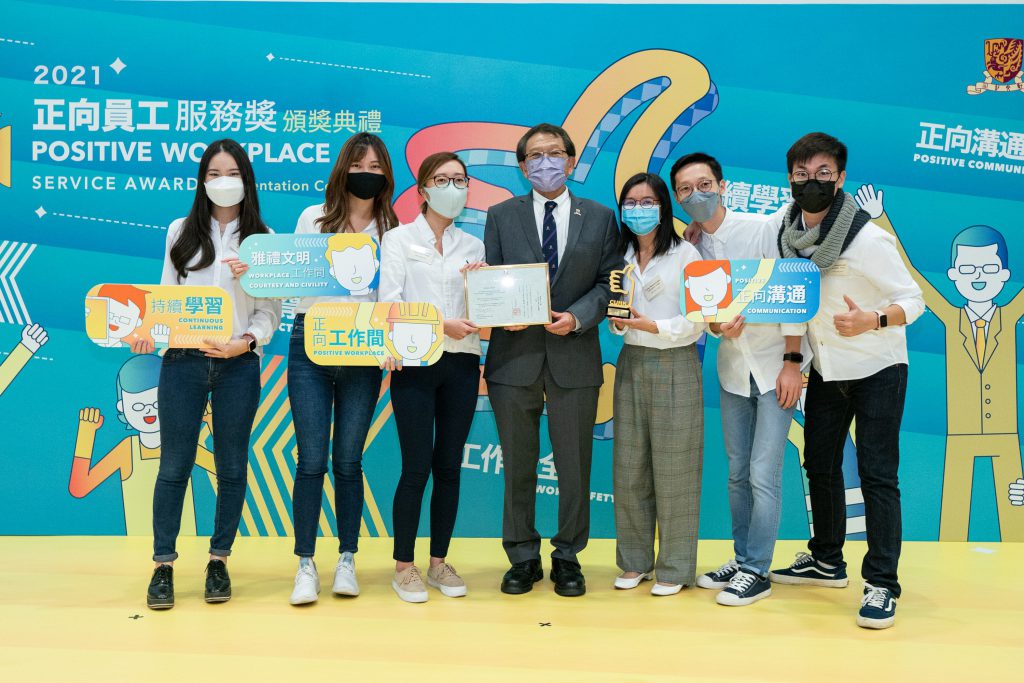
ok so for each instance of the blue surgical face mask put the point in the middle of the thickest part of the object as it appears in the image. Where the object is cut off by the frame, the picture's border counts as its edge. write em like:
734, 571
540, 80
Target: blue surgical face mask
701, 206
641, 221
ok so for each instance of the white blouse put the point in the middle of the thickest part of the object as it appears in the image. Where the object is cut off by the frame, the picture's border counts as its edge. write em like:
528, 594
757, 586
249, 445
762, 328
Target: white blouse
412, 270
656, 295
259, 317
307, 225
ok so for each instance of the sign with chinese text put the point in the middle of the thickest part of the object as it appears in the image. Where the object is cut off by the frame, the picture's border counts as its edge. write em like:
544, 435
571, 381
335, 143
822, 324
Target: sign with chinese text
763, 291
369, 333
289, 265
175, 316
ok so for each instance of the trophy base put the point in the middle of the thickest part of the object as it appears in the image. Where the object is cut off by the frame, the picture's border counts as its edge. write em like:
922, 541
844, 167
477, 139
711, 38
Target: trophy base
613, 312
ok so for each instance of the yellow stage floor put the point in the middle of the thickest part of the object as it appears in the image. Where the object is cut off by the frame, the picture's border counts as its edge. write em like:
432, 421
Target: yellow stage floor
73, 609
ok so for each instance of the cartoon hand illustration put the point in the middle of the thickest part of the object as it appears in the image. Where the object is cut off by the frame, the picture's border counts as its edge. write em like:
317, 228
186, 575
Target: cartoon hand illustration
870, 201
90, 418
33, 336
161, 333
1017, 492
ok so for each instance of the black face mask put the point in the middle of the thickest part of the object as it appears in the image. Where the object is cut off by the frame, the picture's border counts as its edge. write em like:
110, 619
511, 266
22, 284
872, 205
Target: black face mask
365, 185
814, 196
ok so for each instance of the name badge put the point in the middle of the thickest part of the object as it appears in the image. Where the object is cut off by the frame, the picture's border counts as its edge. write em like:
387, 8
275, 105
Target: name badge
421, 254
840, 267
654, 288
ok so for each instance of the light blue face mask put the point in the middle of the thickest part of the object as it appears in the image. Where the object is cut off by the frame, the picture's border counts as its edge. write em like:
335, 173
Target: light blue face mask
641, 221
700, 206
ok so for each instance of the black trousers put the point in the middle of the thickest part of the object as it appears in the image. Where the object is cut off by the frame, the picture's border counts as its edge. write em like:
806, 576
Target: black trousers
434, 407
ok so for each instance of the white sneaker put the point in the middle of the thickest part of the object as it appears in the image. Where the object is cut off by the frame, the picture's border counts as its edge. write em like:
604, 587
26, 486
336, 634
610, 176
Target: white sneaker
408, 583
307, 585
345, 576
628, 584
661, 589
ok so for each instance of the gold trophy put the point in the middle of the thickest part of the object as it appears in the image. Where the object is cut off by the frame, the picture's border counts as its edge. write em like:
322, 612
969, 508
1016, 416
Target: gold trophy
619, 308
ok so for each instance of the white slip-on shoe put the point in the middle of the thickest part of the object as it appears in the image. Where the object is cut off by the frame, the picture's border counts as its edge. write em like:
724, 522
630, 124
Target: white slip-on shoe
628, 584
345, 576
307, 585
661, 589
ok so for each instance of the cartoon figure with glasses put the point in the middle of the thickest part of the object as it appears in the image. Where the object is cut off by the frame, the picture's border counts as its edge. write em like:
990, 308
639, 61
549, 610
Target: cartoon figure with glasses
136, 457
981, 372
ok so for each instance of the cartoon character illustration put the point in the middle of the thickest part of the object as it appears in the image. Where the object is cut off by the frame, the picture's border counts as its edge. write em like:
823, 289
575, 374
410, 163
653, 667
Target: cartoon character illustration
981, 370
354, 262
412, 336
708, 288
121, 308
136, 457
33, 337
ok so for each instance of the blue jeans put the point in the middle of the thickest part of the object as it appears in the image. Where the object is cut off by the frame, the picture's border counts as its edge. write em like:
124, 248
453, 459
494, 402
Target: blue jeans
187, 379
876, 402
317, 392
755, 429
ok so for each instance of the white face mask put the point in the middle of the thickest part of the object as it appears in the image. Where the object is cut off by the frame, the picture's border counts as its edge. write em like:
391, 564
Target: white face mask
449, 201
225, 191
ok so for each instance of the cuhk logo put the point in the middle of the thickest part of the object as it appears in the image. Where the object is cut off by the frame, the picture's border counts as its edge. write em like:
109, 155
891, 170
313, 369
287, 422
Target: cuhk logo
5, 156
1003, 58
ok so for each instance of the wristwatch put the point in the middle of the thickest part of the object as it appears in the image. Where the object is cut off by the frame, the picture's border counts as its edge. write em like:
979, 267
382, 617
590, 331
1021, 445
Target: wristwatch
793, 356
252, 340
883, 320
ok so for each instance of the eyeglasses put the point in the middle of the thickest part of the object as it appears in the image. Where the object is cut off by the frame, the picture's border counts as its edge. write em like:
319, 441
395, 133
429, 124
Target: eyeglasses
822, 175
121, 319
988, 269
704, 185
460, 182
643, 204
553, 154
139, 407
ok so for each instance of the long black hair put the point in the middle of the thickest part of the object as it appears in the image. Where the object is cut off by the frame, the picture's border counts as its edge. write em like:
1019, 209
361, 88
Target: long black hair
195, 231
665, 235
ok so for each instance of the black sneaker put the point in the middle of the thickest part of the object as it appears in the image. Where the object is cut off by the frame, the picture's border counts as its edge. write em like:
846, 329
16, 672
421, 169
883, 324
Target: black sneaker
744, 588
808, 571
161, 588
218, 583
877, 609
719, 578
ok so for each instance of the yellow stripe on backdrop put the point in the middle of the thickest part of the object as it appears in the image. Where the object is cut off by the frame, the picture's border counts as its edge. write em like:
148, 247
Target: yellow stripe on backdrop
254, 488
371, 502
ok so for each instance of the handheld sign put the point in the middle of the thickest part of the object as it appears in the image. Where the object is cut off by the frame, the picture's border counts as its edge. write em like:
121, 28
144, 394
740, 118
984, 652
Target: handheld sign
763, 291
176, 316
288, 265
368, 333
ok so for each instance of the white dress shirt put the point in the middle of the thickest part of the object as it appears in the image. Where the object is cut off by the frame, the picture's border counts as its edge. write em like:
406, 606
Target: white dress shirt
656, 295
412, 270
871, 273
307, 225
258, 317
758, 350
561, 214
974, 318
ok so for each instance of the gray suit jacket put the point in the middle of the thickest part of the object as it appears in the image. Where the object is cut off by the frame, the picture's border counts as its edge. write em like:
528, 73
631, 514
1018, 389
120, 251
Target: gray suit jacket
580, 286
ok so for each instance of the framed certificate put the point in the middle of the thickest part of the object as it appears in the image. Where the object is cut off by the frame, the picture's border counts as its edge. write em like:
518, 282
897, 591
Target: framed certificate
499, 296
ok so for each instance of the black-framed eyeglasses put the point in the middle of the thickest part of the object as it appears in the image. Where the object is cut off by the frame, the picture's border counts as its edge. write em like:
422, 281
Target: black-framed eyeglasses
460, 182
822, 175
704, 185
553, 154
988, 269
643, 204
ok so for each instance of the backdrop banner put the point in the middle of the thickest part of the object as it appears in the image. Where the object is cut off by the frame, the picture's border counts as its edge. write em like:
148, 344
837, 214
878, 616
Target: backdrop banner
106, 108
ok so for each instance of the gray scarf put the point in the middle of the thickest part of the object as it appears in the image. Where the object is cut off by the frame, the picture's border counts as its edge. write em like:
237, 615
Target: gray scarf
842, 223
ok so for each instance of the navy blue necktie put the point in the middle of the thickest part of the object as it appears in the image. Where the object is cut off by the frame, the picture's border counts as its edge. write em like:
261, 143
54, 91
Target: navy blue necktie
549, 243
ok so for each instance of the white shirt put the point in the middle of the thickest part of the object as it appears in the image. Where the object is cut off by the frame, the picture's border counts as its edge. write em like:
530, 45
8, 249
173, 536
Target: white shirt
258, 317
974, 318
656, 295
307, 225
757, 352
412, 270
561, 214
871, 273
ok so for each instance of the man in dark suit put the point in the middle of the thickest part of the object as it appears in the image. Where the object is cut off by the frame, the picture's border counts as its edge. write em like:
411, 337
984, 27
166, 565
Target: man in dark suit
560, 361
